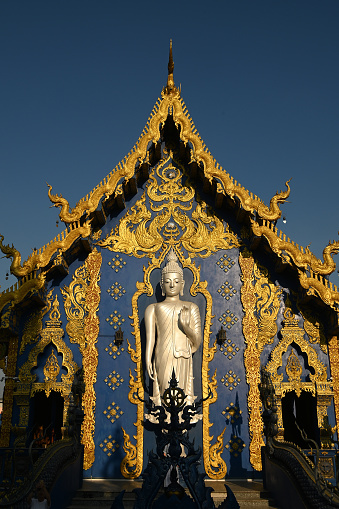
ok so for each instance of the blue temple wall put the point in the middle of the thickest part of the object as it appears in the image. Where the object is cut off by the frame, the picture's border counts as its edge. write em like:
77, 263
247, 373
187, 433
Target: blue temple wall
113, 411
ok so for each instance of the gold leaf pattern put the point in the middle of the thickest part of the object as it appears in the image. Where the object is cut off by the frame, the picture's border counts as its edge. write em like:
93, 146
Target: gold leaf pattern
90, 354
140, 235
251, 358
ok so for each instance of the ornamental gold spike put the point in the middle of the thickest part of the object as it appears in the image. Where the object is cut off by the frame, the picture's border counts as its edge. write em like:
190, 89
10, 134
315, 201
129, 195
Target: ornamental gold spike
170, 80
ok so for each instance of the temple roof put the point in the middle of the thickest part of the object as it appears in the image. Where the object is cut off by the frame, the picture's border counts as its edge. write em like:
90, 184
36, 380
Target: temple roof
170, 108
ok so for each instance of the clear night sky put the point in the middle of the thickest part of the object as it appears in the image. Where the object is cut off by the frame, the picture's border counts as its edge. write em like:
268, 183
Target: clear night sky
79, 79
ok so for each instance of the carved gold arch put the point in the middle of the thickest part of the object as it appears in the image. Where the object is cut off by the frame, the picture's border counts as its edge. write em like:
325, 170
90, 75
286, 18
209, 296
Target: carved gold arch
131, 465
319, 385
52, 333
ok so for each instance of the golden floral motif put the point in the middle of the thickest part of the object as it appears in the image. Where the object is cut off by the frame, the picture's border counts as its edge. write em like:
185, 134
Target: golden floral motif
33, 328
251, 358
130, 460
333, 352
267, 306
216, 467
74, 304
51, 368
261, 303
294, 371
90, 354
314, 329
141, 241
202, 235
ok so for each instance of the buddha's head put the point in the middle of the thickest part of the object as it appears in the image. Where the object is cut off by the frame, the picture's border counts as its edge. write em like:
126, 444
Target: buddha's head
172, 276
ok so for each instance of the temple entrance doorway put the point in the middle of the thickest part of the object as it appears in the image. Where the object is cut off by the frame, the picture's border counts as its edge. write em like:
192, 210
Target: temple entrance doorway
300, 412
48, 415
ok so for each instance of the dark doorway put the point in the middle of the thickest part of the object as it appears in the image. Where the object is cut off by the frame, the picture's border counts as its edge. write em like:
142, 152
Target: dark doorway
300, 410
48, 413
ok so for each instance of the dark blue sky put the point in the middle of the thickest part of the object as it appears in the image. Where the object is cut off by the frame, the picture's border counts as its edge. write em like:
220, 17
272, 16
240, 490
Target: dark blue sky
80, 78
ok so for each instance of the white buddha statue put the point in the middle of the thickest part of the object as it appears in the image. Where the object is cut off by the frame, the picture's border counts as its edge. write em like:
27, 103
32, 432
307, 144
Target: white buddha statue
173, 334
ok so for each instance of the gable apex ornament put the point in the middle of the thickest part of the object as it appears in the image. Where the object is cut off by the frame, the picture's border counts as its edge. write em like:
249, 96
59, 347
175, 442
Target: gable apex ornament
170, 87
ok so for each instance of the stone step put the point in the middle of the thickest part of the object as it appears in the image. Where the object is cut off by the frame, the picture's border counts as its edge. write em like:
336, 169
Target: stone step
100, 493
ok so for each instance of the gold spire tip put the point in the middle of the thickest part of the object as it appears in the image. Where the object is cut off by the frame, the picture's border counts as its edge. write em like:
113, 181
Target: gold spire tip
170, 60
170, 81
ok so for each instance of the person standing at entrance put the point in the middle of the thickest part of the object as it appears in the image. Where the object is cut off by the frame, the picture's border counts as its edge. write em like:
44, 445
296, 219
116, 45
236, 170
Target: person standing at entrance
42, 499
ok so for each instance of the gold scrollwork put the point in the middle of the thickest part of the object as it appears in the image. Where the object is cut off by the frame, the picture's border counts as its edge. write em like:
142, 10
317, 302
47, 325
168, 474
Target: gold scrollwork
51, 368
202, 235
74, 297
314, 329
81, 302
333, 352
294, 371
267, 306
90, 354
250, 327
130, 464
33, 327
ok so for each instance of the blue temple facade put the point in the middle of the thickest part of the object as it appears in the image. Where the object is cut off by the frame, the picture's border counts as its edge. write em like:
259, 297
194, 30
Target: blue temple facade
80, 301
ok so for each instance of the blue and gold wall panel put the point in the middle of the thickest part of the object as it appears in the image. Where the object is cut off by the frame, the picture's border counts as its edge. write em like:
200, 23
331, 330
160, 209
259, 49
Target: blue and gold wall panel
108, 290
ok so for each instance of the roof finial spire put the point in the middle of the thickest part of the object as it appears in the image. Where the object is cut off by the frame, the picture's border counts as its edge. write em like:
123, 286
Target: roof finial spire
170, 81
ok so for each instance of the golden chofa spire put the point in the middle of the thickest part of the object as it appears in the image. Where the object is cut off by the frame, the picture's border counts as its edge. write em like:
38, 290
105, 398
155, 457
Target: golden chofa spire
170, 87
